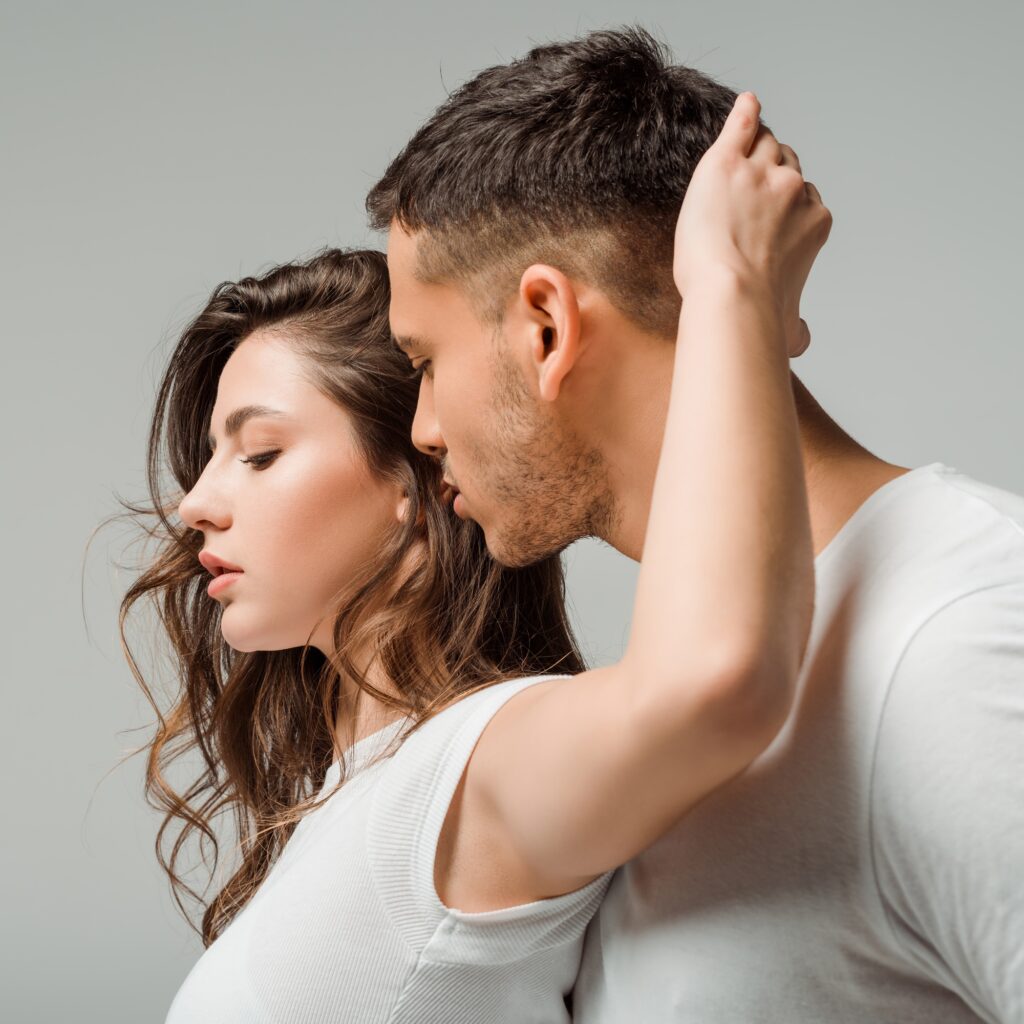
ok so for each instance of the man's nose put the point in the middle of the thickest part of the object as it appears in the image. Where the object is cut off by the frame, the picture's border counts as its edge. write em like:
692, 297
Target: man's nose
426, 434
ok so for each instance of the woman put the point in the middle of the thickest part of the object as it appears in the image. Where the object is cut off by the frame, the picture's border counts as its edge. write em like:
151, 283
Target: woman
364, 639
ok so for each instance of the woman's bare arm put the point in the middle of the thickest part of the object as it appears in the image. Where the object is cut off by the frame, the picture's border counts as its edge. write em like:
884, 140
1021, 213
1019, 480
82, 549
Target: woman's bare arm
573, 777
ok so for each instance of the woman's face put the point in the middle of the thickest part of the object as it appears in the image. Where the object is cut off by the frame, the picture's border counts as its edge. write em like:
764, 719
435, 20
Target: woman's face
286, 499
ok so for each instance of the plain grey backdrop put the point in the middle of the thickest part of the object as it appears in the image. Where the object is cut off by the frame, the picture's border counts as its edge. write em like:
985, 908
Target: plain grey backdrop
151, 151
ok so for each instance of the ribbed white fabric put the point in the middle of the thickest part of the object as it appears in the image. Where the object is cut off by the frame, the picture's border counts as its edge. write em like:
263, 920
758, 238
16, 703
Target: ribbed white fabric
348, 925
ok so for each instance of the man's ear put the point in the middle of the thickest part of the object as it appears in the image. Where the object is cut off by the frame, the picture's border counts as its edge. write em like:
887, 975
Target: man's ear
552, 315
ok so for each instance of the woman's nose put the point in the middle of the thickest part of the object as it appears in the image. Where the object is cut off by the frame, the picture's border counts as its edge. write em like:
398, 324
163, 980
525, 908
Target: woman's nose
203, 508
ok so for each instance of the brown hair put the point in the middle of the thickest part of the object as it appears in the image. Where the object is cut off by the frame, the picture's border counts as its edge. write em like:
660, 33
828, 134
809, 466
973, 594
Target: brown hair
262, 723
577, 155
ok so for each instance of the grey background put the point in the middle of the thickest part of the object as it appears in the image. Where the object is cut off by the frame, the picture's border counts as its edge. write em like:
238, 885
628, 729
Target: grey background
151, 151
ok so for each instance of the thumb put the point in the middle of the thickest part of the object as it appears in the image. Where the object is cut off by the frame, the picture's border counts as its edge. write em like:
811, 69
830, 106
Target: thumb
740, 128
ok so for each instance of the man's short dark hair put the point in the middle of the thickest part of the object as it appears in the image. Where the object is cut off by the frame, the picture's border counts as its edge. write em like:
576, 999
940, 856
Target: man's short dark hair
577, 155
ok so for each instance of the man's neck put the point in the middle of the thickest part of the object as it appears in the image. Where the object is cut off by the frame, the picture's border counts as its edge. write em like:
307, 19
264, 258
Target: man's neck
840, 474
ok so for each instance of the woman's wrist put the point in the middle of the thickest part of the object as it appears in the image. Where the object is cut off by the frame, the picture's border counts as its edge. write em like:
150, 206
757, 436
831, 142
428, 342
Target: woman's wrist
720, 283
727, 310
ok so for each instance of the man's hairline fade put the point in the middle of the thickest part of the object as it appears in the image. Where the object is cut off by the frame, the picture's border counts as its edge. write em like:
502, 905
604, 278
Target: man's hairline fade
577, 155
489, 273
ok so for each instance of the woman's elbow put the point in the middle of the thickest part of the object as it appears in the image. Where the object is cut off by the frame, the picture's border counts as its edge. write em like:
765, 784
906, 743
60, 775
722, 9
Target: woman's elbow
752, 697
742, 694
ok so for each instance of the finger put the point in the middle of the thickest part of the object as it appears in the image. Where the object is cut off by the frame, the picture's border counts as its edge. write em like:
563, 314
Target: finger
766, 148
789, 158
741, 125
823, 213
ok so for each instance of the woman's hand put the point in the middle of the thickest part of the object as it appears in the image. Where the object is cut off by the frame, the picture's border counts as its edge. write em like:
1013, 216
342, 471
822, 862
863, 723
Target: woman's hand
749, 213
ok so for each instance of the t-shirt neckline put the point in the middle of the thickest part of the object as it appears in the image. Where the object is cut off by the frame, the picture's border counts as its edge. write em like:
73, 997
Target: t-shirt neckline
866, 507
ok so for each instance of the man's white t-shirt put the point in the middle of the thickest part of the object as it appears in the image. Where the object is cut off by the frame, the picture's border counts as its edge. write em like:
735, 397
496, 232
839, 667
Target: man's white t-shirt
869, 867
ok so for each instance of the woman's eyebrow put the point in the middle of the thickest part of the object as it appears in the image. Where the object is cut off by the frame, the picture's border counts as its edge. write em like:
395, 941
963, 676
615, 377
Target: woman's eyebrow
406, 344
240, 416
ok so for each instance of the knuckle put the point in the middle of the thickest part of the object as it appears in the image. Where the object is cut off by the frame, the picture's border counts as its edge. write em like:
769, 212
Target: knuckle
789, 181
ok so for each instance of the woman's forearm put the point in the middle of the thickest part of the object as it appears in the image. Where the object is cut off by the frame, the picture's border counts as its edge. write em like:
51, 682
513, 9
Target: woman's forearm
725, 589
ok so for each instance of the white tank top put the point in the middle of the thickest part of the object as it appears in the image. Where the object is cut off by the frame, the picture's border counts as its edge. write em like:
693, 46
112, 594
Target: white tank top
348, 926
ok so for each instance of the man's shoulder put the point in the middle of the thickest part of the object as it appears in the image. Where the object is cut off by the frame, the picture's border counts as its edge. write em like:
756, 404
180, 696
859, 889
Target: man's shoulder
996, 505
949, 730
979, 529
921, 596
937, 534
964, 581
965, 646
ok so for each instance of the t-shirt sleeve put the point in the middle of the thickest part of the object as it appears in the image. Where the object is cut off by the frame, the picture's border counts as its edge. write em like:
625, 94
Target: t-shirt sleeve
409, 808
947, 801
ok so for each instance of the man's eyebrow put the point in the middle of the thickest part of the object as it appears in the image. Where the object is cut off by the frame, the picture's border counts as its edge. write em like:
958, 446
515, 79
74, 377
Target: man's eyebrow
240, 416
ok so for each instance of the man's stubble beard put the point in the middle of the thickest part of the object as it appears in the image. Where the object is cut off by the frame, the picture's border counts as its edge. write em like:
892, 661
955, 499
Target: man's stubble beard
549, 486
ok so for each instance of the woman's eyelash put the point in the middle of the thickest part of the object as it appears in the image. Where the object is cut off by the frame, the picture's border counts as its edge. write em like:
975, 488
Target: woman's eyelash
261, 459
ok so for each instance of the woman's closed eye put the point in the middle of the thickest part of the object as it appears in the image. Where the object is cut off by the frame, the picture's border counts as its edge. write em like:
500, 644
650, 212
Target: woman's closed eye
260, 460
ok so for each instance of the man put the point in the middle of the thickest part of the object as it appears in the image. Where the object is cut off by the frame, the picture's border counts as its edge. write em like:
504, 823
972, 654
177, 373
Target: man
869, 866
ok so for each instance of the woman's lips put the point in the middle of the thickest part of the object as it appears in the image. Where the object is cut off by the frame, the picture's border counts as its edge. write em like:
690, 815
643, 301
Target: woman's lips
221, 581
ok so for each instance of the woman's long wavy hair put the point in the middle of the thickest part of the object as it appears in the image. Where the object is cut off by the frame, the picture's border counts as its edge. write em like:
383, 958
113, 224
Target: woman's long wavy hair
443, 618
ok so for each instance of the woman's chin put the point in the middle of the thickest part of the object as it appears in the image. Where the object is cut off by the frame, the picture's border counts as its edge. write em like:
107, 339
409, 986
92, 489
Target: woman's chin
242, 643
248, 637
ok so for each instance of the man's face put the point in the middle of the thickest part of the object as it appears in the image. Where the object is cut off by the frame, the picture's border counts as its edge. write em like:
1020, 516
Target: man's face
522, 474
